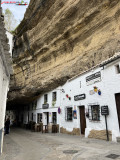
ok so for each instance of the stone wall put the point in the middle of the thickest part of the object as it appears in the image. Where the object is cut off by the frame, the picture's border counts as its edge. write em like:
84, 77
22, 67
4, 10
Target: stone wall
75, 131
101, 134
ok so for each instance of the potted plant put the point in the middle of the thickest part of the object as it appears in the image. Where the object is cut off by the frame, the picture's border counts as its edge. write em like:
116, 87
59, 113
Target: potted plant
95, 89
99, 92
53, 103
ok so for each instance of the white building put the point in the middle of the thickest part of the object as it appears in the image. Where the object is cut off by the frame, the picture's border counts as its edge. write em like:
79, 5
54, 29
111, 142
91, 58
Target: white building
45, 109
105, 79
76, 106
5, 71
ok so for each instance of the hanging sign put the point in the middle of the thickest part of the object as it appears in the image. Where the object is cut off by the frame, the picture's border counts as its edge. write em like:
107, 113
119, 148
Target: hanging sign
45, 106
79, 97
104, 110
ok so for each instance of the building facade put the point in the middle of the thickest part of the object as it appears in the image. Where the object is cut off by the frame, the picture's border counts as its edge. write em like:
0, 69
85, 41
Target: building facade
90, 92
5, 71
82, 103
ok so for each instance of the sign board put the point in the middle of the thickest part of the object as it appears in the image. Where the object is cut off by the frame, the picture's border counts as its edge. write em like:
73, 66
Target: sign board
45, 106
79, 97
104, 110
96, 77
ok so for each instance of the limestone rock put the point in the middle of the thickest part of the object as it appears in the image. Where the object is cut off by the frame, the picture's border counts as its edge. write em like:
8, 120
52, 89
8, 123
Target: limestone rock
59, 39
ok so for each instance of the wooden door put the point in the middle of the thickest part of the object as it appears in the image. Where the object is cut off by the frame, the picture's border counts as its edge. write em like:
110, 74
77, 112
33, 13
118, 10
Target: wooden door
82, 119
117, 97
47, 118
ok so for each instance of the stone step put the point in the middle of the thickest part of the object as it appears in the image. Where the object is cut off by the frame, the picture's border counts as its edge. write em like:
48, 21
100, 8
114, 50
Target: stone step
118, 139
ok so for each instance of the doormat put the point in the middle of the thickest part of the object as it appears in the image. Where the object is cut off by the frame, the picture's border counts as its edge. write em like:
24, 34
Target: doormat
70, 151
113, 156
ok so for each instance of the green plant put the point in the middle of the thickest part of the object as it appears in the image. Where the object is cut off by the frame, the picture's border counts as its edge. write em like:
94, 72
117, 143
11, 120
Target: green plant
53, 103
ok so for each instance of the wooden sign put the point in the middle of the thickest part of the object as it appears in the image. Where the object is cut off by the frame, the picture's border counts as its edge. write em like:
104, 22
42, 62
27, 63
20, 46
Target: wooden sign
104, 110
79, 97
45, 106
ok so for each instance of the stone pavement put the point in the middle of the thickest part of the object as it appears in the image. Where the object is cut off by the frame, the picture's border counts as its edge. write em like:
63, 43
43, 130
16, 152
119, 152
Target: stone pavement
26, 145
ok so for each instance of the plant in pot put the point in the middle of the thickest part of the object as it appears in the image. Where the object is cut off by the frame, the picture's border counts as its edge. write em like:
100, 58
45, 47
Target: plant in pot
95, 89
99, 92
53, 103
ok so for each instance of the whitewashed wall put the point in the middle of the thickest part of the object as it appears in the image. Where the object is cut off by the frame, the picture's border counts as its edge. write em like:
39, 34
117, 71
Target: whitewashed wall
4, 81
39, 108
109, 85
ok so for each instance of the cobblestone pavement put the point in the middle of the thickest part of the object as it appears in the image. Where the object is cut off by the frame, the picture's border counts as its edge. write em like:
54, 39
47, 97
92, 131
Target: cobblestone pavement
26, 145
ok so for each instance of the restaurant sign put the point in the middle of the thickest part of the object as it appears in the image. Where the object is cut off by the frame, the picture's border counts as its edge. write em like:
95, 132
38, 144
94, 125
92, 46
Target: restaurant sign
104, 110
79, 97
45, 106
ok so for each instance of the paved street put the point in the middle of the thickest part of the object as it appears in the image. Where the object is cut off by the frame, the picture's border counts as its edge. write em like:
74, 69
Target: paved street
26, 145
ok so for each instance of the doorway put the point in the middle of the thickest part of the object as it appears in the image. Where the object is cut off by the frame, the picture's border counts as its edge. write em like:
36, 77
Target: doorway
28, 117
54, 118
82, 119
117, 98
47, 118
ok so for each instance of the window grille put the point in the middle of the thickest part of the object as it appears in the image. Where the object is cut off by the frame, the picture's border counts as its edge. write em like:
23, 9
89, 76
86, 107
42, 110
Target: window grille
54, 96
94, 112
68, 114
45, 98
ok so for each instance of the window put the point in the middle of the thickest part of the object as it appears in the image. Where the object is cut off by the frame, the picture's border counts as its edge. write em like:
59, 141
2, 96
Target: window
54, 96
94, 112
34, 105
45, 98
117, 69
68, 114
39, 117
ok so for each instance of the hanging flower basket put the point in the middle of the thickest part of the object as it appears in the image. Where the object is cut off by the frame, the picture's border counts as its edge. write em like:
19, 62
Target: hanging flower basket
99, 92
95, 89
69, 98
67, 95
53, 103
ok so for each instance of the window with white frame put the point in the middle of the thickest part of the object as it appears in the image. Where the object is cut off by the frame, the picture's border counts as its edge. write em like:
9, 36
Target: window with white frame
68, 114
94, 112
54, 96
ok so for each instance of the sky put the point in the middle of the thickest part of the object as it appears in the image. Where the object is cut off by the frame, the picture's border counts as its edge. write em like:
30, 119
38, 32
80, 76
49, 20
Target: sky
18, 11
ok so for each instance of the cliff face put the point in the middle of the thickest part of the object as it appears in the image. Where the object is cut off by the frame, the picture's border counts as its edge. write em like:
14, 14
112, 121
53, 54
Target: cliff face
59, 39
